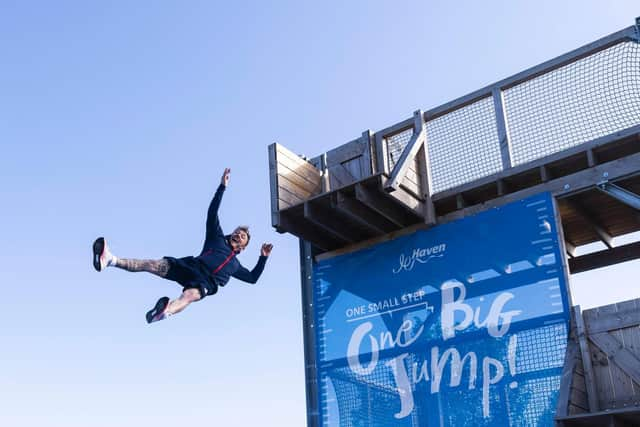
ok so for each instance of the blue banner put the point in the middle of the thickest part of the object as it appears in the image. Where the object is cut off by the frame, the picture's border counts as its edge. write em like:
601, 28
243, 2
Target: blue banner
462, 324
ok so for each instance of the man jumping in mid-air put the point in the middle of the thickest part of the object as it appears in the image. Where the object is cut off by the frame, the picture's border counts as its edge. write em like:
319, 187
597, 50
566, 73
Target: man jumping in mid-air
199, 276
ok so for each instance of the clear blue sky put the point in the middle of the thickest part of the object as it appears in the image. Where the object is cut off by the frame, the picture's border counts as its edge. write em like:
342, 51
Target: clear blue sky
117, 119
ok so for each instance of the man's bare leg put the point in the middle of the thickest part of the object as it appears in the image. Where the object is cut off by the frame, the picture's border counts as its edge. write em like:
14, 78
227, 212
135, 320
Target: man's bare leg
177, 305
159, 267
165, 308
103, 258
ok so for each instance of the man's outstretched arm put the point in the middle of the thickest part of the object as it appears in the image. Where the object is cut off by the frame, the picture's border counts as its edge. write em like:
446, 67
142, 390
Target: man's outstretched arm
213, 222
253, 275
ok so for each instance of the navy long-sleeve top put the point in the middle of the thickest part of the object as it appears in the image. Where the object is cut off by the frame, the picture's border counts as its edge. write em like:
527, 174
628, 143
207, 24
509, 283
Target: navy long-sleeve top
217, 254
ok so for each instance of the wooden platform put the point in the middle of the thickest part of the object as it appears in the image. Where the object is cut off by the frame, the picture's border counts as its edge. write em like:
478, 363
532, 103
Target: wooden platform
362, 212
567, 126
488, 148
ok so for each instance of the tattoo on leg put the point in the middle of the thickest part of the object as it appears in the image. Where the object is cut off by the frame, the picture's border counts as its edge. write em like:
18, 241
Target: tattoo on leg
158, 267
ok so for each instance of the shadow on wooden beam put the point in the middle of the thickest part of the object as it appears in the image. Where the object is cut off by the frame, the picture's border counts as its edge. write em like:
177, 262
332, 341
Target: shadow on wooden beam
385, 206
309, 232
360, 213
327, 220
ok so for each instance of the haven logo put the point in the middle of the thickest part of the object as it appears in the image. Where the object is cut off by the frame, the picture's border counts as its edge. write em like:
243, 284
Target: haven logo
419, 255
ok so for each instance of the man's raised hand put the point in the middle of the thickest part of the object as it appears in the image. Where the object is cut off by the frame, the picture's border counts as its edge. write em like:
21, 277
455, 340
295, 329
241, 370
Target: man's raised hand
225, 177
266, 249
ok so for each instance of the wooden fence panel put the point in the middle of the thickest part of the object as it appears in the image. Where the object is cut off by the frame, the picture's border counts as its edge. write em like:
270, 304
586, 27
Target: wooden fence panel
613, 332
293, 180
349, 163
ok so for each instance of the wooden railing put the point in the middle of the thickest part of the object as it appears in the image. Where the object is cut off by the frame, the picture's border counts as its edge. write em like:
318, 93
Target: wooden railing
582, 96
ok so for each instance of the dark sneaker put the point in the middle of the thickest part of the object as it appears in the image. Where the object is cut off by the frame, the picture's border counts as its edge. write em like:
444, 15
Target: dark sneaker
102, 257
157, 312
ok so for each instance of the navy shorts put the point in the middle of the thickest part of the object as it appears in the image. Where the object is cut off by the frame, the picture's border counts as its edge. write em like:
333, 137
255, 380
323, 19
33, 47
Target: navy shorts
191, 274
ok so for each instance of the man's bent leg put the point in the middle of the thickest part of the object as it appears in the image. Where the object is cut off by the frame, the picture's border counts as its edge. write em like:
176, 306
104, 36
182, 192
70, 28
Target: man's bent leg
165, 308
188, 296
159, 267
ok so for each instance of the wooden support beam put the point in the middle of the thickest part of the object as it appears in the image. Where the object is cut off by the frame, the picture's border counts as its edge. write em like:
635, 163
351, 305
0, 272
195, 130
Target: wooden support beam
424, 165
406, 199
566, 380
588, 217
309, 337
273, 183
327, 220
503, 188
544, 173
309, 233
591, 158
324, 174
571, 248
408, 154
589, 377
382, 154
381, 205
606, 322
604, 258
367, 140
360, 213
560, 187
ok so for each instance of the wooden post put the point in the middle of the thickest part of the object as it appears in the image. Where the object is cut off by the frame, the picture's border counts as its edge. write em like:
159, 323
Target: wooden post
566, 381
324, 172
382, 158
273, 182
367, 137
589, 378
309, 338
591, 158
425, 185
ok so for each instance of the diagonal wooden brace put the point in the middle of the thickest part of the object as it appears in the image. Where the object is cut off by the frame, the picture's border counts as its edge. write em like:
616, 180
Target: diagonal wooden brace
418, 139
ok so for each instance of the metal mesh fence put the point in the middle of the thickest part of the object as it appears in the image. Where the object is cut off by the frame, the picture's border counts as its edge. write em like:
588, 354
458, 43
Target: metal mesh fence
587, 99
375, 396
464, 145
396, 145
533, 399
593, 97
537, 348
527, 398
